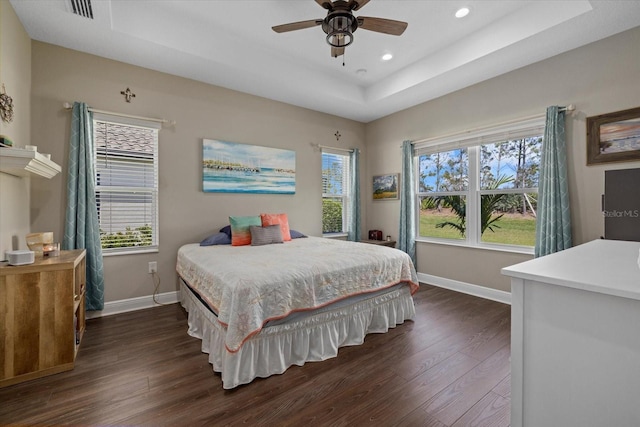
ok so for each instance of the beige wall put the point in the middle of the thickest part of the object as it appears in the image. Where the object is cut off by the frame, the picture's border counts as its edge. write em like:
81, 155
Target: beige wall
15, 74
598, 78
201, 111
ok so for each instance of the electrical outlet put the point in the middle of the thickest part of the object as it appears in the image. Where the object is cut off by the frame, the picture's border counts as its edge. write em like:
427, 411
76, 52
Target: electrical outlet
153, 267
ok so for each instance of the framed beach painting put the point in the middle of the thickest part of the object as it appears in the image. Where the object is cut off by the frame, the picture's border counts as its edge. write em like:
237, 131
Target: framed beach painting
613, 137
230, 167
385, 187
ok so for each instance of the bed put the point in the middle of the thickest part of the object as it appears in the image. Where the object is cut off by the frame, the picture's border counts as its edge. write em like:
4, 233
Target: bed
261, 309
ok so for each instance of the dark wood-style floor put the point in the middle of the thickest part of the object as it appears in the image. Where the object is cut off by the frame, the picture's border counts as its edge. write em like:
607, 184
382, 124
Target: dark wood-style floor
449, 367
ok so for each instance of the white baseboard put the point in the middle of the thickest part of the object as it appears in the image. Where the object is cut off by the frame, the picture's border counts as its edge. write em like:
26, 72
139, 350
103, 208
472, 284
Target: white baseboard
133, 304
467, 288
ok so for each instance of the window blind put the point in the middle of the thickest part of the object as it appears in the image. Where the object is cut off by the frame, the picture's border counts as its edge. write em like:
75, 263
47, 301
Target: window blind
335, 174
335, 190
126, 174
488, 135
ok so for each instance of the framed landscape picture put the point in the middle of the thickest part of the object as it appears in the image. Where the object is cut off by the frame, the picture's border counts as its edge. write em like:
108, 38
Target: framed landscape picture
230, 167
613, 137
385, 187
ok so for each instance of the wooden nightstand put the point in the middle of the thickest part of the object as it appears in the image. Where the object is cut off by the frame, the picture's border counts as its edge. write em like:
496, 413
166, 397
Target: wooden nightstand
389, 243
43, 319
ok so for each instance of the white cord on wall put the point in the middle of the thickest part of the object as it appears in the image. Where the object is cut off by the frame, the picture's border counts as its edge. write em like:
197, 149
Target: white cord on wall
155, 276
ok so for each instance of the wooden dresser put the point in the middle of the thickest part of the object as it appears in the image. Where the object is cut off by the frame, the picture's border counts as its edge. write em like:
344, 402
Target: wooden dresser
42, 316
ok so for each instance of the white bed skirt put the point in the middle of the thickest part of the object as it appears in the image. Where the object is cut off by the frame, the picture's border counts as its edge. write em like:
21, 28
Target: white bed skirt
311, 339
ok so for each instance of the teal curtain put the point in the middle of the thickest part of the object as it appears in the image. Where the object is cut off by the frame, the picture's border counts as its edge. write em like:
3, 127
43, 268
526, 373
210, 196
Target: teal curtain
553, 219
407, 232
81, 229
354, 189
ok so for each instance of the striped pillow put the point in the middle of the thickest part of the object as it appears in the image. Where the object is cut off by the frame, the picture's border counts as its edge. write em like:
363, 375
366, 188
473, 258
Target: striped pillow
265, 235
240, 233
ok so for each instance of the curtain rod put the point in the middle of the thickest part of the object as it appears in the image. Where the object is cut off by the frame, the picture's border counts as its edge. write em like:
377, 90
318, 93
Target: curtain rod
69, 106
333, 148
568, 108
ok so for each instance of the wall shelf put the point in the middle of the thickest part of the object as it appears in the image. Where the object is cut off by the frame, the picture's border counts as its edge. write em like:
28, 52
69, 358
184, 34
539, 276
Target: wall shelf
21, 162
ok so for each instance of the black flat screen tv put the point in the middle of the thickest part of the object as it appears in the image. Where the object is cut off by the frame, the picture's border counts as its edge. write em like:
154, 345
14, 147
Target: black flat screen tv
621, 204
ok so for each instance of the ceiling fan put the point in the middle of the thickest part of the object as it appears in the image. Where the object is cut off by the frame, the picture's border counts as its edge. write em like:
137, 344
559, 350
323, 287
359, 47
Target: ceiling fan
340, 24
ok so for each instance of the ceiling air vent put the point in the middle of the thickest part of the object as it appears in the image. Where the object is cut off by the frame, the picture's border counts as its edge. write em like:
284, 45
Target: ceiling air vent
82, 8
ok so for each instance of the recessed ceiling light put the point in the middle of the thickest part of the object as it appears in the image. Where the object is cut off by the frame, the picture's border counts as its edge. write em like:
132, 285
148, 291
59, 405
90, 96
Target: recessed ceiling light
387, 57
462, 12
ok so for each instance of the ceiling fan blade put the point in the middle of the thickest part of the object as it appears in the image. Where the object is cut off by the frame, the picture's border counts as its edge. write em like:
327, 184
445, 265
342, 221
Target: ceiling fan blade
326, 4
358, 4
296, 26
381, 25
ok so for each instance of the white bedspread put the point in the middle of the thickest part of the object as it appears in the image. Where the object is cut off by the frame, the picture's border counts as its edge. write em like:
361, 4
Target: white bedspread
250, 285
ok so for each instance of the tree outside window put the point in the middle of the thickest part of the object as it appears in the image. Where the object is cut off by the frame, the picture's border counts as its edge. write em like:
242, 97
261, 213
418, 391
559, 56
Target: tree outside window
492, 187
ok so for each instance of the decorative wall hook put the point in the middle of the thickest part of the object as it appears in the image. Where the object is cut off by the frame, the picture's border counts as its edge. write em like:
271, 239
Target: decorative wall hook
337, 135
128, 94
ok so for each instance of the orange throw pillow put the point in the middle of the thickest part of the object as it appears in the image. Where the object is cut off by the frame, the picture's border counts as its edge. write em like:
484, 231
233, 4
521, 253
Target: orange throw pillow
273, 219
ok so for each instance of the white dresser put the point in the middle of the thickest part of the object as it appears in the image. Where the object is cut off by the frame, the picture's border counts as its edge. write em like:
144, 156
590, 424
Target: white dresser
575, 337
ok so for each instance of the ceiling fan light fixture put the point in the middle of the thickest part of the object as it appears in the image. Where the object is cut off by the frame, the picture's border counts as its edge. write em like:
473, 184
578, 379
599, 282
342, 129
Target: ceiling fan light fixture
339, 27
340, 39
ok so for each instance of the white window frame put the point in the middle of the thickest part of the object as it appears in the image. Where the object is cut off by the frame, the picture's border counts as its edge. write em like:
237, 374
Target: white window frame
152, 191
345, 195
472, 141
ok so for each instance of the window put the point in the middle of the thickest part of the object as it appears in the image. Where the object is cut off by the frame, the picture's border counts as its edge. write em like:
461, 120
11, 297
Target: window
481, 188
126, 171
335, 191
443, 185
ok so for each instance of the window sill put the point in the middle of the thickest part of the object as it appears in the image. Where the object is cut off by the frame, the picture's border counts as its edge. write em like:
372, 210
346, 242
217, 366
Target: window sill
335, 235
131, 252
484, 246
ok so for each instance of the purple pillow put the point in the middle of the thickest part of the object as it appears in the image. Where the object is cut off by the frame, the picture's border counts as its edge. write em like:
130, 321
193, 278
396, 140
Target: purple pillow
226, 230
216, 239
296, 234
